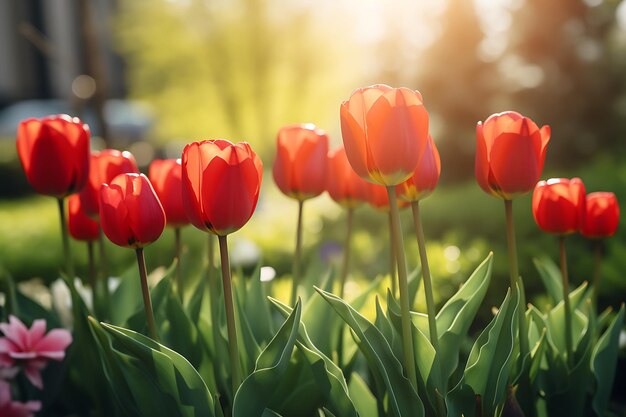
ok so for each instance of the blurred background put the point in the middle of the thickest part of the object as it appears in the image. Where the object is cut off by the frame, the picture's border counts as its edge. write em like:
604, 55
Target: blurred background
150, 76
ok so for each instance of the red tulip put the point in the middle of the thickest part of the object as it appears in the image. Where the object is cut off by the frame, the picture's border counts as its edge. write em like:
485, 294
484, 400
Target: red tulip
131, 214
105, 165
343, 184
377, 198
54, 152
221, 184
300, 164
425, 177
510, 151
384, 131
601, 215
166, 178
559, 205
81, 226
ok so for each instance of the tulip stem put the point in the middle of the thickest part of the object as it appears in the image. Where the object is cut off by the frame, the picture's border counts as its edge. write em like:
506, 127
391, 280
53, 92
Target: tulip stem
568, 311
104, 274
147, 302
92, 271
67, 253
597, 265
230, 314
296, 256
179, 277
392, 259
514, 276
407, 334
428, 285
346, 254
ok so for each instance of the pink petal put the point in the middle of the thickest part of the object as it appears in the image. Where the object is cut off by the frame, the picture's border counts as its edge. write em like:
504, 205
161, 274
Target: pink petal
23, 355
37, 330
5, 393
15, 331
55, 340
34, 376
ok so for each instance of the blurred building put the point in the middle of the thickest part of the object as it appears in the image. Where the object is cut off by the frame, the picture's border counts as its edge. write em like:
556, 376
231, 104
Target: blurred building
43, 49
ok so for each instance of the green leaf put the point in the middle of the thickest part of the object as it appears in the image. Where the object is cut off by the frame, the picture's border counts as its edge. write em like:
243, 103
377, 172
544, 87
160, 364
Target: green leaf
127, 296
490, 360
603, 363
414, 279
161, 382
255, 393
403, 399
550, 274
456, 316
257, 309
363, 399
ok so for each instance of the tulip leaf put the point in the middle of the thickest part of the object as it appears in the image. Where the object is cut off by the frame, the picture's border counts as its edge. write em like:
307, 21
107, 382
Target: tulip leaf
327, 374
322, 324
127, 296
403, 399
160, 381
491, 358
256, 391
414, 279
257, 309
603, 363
363, 399
456, 316
550, 275
249, 349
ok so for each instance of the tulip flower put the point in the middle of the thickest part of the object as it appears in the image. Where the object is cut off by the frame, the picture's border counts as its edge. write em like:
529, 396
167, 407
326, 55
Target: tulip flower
31, 349
601, 215
300, 164
510, 152
419, 186
559, 208
166, 178
105, 165
600, 221
343, 184
384, 130
54, 152
221, 184
300, 173
10, 408
132, 216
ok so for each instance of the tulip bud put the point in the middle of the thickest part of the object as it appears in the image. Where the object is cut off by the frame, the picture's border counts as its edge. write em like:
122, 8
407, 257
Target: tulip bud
343, 184
510, 152
559, 205
300, 164
166, 177
131, 214
221, 184
105, 165
601, 215
425, 176
54, 152
81, 226
384, 131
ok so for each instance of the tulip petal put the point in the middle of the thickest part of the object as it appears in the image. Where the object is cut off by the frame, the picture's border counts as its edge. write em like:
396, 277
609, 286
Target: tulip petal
481, 167
145, 214
354, 142
193, 168
114, 215
309, 169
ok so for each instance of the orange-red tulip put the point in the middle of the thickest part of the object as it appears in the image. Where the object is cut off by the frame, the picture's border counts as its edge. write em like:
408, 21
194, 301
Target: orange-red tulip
342, 183
559, 205
378, 199
131, 214
425, 177
300, 164
221, 184
510, 152
166, 176
384, 131
601, 215
81, 226
54, 152
105, 165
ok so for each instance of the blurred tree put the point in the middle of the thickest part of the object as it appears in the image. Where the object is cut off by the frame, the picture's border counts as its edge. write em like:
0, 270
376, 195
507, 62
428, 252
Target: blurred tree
559, 70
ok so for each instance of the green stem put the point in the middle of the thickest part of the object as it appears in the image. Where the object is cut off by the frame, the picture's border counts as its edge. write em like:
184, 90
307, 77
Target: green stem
428, 285
104, 275
92, 271
67, 253
514, 276
147, 302
296, 257
597, 265
392, 258
179, 277
568, 311
407, 335
230, 314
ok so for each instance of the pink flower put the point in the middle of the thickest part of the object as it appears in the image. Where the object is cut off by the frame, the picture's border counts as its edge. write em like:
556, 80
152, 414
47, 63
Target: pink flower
31, 349
9, 408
